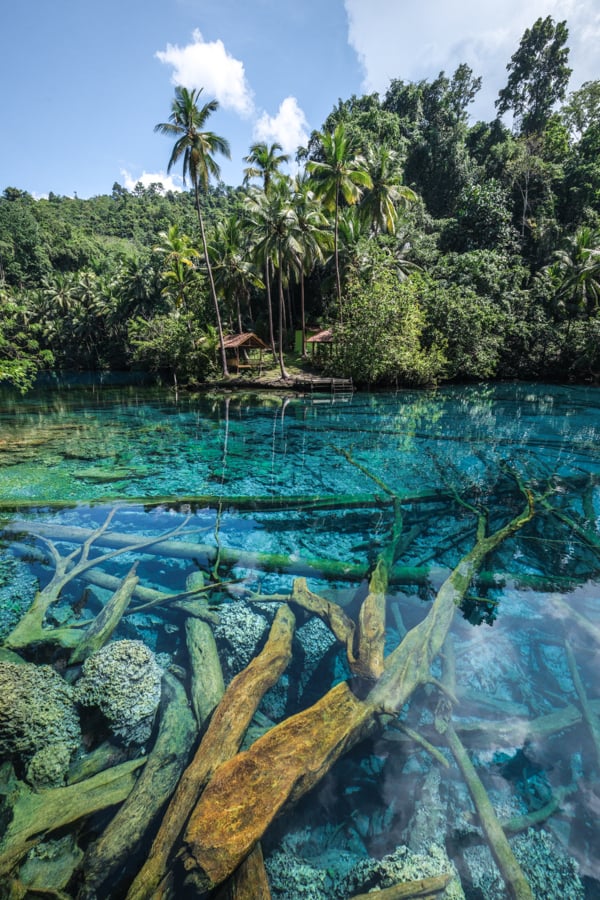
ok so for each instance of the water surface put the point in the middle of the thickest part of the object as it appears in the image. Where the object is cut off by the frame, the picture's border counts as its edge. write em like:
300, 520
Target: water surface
273, 487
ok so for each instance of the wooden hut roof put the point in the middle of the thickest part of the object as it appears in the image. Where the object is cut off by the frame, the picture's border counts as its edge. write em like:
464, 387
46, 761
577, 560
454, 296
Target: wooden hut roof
246, 339
321, 337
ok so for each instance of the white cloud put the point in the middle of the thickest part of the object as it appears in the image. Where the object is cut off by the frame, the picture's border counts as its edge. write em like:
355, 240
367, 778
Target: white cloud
413, 41
169, 182
208, 65
288, 127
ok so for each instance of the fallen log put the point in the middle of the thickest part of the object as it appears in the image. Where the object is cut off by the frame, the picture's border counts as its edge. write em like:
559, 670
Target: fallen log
516, 732
108, 856
510, 869
247, 792
406, 890
326, 569
222, 739
36, 815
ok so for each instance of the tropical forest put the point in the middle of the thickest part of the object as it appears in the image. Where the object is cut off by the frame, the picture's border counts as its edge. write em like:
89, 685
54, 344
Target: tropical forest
300, 508
435, 248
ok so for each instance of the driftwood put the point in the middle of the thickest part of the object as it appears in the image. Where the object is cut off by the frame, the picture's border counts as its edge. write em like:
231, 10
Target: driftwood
221, 740
30, 629
36, 815
149, 597
329, 569
511, 871
498, 843
247, 792
423, 887
515, 732
589, 714
207, 686
248, 882
120, 840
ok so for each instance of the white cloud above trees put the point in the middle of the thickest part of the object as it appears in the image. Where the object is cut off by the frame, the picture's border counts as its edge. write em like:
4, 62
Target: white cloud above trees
169, 182
287, 127
208, 65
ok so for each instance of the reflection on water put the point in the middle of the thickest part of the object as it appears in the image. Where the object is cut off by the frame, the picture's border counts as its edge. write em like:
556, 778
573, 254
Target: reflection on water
268, 489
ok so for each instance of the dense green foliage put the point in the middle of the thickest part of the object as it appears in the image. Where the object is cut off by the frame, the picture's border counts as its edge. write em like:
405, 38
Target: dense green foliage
436, 248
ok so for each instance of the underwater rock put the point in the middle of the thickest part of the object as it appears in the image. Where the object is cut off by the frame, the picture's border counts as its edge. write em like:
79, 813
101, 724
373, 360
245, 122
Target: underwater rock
49, 766
316, 639
39, 724
402, 865
293, 878
241, 629
551, 874
123, 681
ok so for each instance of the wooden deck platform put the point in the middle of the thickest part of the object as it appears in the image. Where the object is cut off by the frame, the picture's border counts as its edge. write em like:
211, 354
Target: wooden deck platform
322, 385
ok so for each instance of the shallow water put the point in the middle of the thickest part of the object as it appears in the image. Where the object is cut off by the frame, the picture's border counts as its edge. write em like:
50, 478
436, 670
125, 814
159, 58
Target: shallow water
272, 487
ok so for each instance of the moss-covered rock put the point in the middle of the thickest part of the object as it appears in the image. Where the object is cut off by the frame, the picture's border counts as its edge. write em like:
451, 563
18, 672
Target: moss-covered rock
39, 723
123, 682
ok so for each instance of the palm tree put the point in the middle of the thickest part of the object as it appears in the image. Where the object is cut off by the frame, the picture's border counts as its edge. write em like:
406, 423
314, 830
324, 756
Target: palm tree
277, 238
314, 237
577, 271
340, 176
179, 263
265, 162
234, 273
379, 204
196, 147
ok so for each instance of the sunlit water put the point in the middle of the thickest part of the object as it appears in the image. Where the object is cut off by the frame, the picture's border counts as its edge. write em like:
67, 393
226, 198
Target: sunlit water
303, 486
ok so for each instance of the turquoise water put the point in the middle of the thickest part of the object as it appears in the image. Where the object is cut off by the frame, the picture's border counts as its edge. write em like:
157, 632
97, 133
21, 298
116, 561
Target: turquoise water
271, 487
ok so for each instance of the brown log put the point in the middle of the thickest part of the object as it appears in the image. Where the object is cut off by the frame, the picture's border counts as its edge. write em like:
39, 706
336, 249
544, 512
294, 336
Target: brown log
248, 882
423, 887
222, 739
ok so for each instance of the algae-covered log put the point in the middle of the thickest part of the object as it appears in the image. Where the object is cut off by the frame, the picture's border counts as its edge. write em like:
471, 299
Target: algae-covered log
30, 629
222, 739
165, 763
35, 815
247, 792
501, 850
407, 890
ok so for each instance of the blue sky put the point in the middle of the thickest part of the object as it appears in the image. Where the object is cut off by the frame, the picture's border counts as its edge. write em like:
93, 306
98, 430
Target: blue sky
85, 81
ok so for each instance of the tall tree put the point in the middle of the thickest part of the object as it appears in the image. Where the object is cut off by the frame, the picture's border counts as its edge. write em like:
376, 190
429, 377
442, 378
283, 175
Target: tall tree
233, 270
196, 148
277, 238
582, 108
179, 256
314, 238
340, 176
379, 206
538, 75
577, 273
264, 161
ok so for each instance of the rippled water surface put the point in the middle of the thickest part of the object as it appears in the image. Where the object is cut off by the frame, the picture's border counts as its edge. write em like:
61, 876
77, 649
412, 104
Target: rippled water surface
268, 489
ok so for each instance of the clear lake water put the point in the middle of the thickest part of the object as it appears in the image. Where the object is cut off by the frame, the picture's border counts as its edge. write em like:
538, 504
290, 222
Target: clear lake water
271, 487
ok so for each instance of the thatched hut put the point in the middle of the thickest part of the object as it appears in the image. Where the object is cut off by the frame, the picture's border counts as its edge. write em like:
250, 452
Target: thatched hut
251, 348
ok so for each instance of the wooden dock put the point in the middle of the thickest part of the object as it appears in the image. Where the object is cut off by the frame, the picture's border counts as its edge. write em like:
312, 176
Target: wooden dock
318, 384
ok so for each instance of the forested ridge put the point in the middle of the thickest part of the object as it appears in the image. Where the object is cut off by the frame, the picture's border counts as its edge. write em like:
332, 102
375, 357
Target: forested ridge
435, 248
